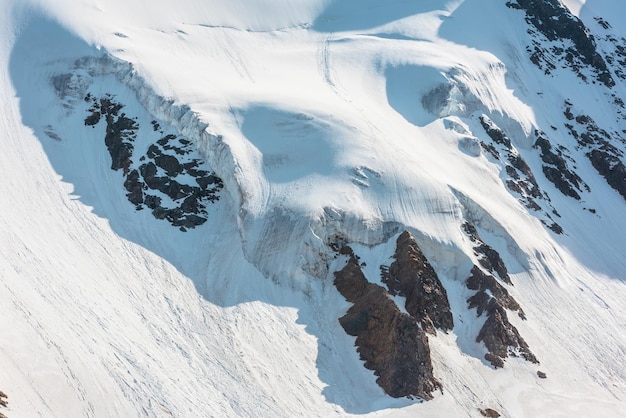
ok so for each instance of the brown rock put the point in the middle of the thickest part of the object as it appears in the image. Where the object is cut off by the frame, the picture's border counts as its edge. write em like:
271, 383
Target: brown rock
389, 341
502, 339
489, 413
412, 277
489, 258
500, 336
483, 283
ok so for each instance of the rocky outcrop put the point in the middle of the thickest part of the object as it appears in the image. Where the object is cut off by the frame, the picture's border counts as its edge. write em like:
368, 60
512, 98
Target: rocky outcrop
120, 130
489, 413
487, 257
412, 277
3, 399
389, 341
614, 48
500, 337
600, 148
520, 179
489, 292
556, 169
573, 45
168, 172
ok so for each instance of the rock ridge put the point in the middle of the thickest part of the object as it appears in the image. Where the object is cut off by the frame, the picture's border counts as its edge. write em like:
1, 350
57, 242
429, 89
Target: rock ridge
389, 341
411, 276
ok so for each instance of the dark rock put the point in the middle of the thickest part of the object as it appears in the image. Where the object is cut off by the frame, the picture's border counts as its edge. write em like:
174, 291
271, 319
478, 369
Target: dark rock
153, 152
490, 149
170, 164
109, 107
489, 413
488, 257
541, 374
119, 148
611, 168
499, 336
490, 294
412, 277
152, 201
205, 181
148, 170
176, 190
119, 131
92, 119
529, 183
191, 221
160, 212
134, 188
191, 200
192, 169
521, 179
154, 182
604, 156
191, 204
389, 341
556, 228
502, 339
556, 23
495, 133
166, 139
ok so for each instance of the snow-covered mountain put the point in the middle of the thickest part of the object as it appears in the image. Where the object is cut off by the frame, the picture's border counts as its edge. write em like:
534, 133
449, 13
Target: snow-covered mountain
312, 208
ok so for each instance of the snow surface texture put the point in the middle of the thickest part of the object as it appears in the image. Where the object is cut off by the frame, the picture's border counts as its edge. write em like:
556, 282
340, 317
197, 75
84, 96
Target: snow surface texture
322, 118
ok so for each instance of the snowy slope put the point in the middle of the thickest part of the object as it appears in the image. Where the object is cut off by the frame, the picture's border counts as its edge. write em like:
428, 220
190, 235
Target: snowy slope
356, 119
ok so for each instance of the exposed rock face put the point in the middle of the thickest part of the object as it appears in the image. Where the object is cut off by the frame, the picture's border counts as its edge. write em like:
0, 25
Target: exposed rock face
604, 155
499, 336
412, 277
488, 293
3, 401
550, 20
489, 413
614, 48
502, 339
520, 179
168, 172
488, 257
120, 130
556, 169
388, 340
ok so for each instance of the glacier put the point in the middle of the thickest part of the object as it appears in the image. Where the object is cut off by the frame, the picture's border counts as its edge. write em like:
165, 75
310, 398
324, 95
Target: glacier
326, 120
